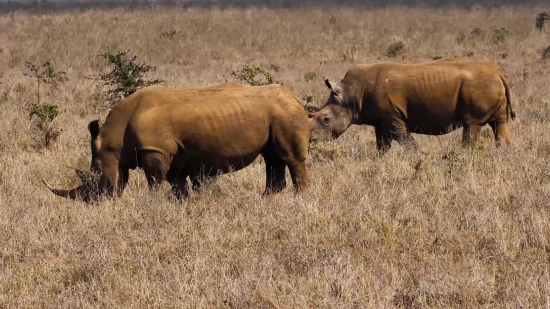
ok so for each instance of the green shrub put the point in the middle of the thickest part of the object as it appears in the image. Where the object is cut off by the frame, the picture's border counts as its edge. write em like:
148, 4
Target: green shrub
126, 76
44, 114
255, 76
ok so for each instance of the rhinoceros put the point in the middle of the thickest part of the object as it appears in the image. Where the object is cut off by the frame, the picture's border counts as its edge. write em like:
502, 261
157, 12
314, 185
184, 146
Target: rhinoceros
432, 98
175, 133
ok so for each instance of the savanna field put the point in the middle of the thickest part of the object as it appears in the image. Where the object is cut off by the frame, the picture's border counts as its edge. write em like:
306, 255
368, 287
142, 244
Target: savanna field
440, 227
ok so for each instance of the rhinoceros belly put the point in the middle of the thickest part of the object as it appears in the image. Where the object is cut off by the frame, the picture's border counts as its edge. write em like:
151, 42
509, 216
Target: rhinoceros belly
433, 117
434, 128
213, 163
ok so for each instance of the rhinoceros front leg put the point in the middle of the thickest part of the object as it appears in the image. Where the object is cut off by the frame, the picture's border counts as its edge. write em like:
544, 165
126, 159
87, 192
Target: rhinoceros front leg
155, 165
396, 130
401, 133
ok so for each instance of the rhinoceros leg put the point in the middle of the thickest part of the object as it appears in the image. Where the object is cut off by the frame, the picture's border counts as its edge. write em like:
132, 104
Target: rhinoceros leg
470, 134
180, 188
178, 182
198, 181
155, 165
388, 131
383, 139
275, 173
124, 176
501, 131
300, 175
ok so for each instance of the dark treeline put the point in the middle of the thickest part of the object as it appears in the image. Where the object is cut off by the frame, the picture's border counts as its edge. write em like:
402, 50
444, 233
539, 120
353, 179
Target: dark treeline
44, 6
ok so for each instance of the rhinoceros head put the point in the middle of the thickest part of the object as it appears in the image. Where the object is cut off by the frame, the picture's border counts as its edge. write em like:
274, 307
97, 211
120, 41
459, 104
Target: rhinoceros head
97, 181
335, 117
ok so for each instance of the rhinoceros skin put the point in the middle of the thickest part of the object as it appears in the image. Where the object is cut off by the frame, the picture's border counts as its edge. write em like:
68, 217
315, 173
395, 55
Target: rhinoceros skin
432, 98
200, 132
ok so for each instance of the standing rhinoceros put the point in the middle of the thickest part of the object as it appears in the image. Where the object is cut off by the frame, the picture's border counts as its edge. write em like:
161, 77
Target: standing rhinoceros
432, 98
175, 133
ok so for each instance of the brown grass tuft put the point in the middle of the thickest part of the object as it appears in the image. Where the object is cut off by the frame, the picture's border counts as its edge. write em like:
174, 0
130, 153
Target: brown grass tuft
445, 228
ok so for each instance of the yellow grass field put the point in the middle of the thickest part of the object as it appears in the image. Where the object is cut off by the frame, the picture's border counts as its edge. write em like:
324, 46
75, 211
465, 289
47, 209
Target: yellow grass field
444, 227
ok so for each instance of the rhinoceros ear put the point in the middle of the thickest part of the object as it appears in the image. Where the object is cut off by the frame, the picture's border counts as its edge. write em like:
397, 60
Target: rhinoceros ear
333, 86
93, 127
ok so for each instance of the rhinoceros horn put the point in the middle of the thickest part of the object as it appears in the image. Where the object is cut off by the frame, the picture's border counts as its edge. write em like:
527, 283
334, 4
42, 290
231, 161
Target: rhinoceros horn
87, 191
72, 194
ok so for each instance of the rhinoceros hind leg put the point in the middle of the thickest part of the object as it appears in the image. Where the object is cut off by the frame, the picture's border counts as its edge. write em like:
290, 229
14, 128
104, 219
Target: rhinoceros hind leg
198, 181
501, 131
300, 175
178, 183
275, 169
180, 188
155, 165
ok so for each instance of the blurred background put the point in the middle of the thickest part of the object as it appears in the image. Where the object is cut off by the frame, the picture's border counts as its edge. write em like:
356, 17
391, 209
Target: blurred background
62, 5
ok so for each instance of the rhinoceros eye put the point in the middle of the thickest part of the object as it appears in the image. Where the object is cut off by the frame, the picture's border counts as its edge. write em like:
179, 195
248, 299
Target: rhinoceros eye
326, 120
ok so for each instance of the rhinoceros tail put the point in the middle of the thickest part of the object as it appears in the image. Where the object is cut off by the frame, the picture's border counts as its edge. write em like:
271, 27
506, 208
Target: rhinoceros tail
508, 96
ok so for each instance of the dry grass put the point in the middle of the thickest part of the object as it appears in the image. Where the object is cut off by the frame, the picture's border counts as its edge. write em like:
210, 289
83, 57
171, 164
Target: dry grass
448, 228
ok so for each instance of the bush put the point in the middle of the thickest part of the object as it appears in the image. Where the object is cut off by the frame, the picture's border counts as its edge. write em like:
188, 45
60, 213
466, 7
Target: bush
126, 76
541, 20
255, 76
546, 52
477, 31
501, 34
45, 73
170, 34
45, 113
395, 49
309, 76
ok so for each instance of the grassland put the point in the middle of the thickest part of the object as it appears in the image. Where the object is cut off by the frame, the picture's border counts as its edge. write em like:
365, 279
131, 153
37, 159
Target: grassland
445, 227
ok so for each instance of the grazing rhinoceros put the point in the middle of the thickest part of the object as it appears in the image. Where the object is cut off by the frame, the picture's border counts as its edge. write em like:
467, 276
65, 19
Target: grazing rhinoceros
432, 98
175, 133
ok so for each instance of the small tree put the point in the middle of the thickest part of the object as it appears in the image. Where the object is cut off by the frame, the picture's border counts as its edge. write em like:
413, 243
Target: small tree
45, 73
126, 76
45, 113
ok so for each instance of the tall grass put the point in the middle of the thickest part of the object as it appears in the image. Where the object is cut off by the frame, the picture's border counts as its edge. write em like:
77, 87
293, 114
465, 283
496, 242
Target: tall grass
445, 227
